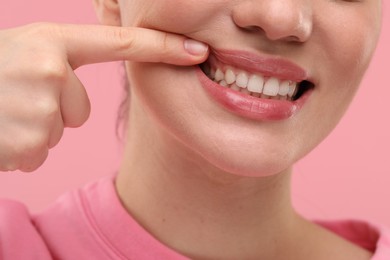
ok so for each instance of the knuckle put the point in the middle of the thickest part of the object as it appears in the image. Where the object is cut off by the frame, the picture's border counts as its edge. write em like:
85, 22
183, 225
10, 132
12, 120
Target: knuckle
163, 44
53, 70
48, 109
41, 37
32, 145
164, 41
125, 40
46, 112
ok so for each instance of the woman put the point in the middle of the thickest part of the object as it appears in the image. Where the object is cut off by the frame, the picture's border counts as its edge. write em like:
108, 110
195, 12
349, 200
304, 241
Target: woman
207, 162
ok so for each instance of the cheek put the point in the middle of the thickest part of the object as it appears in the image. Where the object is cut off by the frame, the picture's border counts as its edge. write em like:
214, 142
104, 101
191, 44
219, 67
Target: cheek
343, 50
176, 16
162, 90
349, 38
346, 41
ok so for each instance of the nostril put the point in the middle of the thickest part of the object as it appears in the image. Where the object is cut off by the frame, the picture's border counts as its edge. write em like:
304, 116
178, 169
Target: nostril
277, 20
253, 28
259, 30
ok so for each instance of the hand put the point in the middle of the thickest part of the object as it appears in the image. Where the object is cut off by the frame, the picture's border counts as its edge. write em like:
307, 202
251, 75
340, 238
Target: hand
39, 92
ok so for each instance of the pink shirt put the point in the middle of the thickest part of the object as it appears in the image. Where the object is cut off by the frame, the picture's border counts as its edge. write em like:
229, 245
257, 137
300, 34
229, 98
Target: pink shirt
91, 223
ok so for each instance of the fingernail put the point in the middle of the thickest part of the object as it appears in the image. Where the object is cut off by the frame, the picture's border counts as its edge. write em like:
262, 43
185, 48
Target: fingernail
195, 48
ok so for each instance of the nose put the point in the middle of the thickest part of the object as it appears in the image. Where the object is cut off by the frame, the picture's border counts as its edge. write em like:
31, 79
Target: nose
288, 20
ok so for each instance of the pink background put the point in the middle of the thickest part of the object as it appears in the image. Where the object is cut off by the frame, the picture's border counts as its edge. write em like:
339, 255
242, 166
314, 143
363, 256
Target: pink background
348, 175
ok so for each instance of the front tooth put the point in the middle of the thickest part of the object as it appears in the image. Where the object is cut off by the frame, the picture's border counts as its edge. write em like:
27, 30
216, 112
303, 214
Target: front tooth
219, 75
271, 87
230, 77
292, 90
255, 84
242, 80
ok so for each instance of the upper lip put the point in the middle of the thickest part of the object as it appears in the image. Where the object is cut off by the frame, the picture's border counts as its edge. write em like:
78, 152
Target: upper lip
263, 64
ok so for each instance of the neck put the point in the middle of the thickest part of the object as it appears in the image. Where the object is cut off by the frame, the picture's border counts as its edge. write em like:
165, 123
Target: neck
186, 202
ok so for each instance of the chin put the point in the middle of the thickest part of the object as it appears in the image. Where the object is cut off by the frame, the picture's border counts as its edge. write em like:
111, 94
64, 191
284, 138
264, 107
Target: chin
254, 170
248, 163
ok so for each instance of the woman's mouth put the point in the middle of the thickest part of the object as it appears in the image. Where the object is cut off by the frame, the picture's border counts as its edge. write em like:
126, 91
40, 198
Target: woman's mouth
254, 84
256, 87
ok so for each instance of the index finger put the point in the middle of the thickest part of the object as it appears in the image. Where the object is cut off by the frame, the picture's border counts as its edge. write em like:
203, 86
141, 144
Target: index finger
86, 44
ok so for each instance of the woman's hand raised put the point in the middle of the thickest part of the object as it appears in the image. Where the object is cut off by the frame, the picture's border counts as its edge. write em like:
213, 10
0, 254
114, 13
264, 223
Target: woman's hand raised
39, 92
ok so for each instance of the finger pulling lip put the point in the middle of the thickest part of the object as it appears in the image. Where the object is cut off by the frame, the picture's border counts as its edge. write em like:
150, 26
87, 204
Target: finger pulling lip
248, 106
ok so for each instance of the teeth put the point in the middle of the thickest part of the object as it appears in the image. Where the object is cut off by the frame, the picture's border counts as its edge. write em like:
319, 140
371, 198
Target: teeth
219, 75
271, 87
292, 90
242, 80
230, 77
284, 88
223, 83
255, 84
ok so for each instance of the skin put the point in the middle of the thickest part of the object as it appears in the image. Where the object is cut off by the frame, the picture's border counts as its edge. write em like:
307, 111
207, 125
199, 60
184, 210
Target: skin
40, 99
189, 165
209, 184
319, 37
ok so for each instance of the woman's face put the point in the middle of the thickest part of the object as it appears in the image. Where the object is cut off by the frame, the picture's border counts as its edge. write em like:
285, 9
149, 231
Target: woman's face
265, 46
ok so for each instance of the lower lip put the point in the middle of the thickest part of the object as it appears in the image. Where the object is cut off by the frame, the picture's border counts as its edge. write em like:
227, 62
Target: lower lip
251, 107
